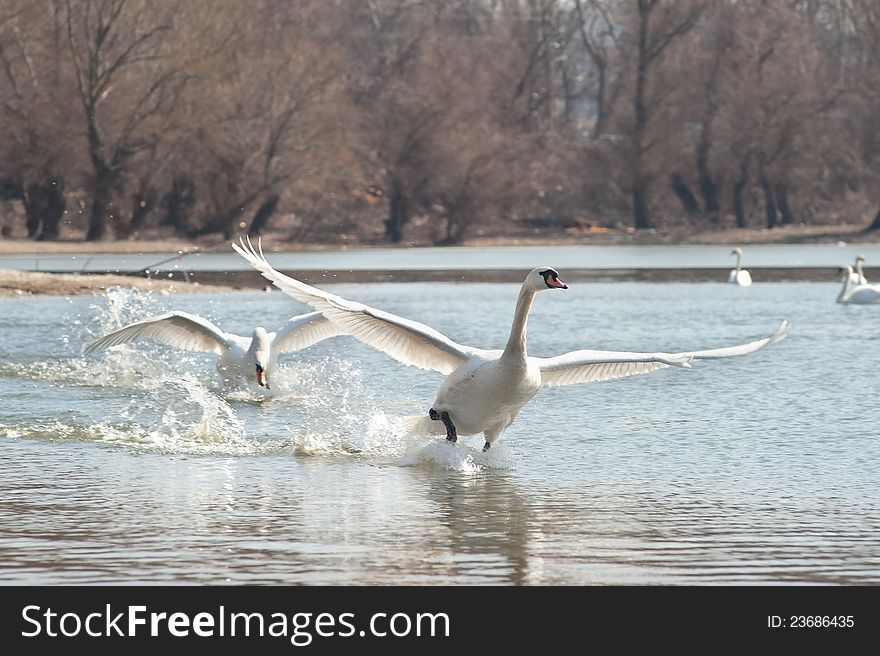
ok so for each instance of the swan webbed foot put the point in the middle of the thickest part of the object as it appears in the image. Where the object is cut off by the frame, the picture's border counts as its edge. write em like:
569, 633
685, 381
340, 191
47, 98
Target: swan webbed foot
487, 446
451, 435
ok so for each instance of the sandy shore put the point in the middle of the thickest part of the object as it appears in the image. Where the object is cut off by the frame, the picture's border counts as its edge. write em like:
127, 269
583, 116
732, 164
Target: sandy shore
26, 283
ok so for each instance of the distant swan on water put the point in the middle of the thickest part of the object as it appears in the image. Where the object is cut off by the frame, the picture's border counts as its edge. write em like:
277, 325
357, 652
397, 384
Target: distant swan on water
856, 294
240, 357
857, 277
484, 389
739, 276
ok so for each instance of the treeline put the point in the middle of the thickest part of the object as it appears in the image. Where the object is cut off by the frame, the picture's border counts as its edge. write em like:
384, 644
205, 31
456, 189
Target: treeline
391, 119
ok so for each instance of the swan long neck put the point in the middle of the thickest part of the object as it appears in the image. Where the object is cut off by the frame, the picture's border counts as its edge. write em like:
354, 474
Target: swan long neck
516, 343
846, 284
738, 260
260, 347
859, 270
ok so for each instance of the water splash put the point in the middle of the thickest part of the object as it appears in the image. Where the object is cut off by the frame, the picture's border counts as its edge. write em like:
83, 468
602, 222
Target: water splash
117, 307
165, 400
182, 416
328, 400
417, 441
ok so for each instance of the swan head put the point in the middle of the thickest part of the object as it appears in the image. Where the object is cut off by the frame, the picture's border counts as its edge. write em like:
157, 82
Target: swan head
543, 278
737, 251
261, 350
845, 271
860, 258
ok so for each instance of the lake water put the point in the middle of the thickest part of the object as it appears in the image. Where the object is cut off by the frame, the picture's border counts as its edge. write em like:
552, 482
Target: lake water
561, 257
132, 466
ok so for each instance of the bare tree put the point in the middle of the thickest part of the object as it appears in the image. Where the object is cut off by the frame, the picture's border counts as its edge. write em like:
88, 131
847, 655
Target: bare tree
657, 25
31, 106
119, 51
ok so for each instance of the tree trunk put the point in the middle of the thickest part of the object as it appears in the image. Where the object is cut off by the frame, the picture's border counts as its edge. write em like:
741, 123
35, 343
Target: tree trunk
449, 239
784, 207
262, 215
33, 211
641, 214
228, 224
769, 201
228, 221
178, 204
601, 111
99, 220
398, 213
454, 226
739, 186
44, 207
685, 195
142, 203
55, 204
9, 190
704, 175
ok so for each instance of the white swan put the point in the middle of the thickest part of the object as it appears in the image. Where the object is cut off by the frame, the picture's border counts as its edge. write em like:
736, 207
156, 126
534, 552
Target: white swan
856, 294
240, 357
857, 277
739, 276
484, 390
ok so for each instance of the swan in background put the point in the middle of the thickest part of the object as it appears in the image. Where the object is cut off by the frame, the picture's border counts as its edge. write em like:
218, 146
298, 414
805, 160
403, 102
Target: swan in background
739, 276
484, 389
856, 294
240, 357
857, 277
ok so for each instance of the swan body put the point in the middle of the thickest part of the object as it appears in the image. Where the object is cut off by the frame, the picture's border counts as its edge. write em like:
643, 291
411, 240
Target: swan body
240, 357
739, 276
484, 390
861, 294
857, 277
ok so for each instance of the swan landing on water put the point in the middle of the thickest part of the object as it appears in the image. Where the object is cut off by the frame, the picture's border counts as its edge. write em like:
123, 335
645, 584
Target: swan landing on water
240, 357
484, 390
739, 276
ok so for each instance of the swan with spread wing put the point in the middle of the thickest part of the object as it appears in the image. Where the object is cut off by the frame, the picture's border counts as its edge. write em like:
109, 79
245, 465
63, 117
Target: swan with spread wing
484, 390
240, 357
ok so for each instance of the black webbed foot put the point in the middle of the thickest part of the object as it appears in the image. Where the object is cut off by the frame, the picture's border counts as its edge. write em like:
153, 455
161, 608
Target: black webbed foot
451, 435
487, 446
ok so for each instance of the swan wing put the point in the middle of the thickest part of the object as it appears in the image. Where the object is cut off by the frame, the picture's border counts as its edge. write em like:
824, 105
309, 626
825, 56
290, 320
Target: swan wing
409, 342
179, 329
742, 349
589, 366
303, 331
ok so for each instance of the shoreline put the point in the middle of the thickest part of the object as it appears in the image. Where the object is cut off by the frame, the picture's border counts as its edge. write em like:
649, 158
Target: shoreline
273, 242
30, 283
14, 283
